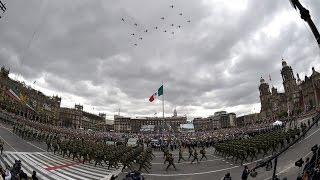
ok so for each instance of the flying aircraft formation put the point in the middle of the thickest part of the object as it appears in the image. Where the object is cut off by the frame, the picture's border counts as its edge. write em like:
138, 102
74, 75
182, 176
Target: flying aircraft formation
2, 7
165, 24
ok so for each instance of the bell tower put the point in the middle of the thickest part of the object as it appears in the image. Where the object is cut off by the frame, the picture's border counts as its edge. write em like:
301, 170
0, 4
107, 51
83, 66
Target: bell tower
290, 87
265, 95
289, 81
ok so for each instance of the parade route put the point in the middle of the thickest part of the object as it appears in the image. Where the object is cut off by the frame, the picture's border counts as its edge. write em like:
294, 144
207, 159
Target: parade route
52, 166
216, 167
47, 165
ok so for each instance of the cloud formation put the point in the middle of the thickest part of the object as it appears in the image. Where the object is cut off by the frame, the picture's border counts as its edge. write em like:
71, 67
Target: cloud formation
82, 51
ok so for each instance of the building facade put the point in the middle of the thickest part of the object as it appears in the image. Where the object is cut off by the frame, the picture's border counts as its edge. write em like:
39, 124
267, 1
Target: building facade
76, 118
18, 98
298, 96
248, 119
220, 119
133, 125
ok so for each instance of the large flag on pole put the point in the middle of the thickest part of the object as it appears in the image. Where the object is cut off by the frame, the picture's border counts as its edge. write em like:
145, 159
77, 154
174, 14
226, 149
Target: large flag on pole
157, 94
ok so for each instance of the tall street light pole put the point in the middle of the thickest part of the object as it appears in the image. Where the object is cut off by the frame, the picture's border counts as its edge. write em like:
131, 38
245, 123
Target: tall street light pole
305, 15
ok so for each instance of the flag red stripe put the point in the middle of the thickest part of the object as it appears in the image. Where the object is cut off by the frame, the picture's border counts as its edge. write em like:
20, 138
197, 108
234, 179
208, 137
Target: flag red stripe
151, 98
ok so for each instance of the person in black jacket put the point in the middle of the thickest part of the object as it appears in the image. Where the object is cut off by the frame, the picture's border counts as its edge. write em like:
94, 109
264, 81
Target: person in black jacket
227, 177
245, 173
34, 175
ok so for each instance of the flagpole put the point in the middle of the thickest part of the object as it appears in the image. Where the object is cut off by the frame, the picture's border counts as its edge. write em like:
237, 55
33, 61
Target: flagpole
163, 101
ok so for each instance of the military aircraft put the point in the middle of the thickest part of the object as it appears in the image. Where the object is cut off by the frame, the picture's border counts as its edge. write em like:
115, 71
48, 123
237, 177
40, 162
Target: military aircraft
188, 21
171, 6
180, 14
179, 26
162, 18
122, 19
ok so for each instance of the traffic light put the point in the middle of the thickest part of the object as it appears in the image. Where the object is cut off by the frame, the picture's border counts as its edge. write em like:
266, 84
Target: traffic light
299, 163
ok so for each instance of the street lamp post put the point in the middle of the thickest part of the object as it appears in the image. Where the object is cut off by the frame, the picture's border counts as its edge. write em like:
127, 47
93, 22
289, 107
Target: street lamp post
305, 15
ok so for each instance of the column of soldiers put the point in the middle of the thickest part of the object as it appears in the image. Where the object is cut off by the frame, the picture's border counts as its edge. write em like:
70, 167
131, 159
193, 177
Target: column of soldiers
263, 144
192, 153
88, 149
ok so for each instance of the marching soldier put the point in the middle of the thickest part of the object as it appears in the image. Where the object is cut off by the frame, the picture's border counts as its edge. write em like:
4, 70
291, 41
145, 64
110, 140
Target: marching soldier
1, 146
203, 153
195, 156
170, 159
180, 155
190, 152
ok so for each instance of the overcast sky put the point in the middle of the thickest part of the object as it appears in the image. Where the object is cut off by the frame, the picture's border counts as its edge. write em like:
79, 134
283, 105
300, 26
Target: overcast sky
83, 52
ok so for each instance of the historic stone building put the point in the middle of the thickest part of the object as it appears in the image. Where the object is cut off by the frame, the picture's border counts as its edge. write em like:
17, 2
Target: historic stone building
76, 118
247, 119
18, 98
133, 125
220, 119
299, 95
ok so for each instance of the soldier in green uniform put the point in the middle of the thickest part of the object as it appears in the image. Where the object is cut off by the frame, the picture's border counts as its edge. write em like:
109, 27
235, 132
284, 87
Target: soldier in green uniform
203, 153
195, 156
190, 152
1, 146
170, 159
180, 155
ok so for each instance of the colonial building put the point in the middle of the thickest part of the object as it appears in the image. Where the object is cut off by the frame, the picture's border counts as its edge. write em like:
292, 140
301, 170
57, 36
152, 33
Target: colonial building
205, 124
18, 98
299, 95
247, 119
76, 118
133, 125
220, 119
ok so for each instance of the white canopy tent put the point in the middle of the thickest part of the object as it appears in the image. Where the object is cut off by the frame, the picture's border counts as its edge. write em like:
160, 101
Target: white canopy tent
277, 123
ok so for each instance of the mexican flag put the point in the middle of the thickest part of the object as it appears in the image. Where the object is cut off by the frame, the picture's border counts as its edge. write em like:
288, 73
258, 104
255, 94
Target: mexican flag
157, 94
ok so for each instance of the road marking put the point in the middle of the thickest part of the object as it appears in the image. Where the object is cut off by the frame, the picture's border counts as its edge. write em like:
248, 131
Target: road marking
191, 174
10, 130
61, 166
199, 161
8, 144
311, 134
36, 146
292, 165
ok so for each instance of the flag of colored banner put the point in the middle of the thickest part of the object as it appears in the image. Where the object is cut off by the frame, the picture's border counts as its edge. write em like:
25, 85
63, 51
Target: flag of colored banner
157, 94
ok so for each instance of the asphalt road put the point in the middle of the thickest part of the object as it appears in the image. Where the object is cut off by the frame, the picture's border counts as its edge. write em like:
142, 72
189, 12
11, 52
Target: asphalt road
216, 167
16, 144
213, 168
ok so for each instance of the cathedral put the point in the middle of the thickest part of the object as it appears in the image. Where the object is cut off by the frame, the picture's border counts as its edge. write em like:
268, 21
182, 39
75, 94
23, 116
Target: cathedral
298, 96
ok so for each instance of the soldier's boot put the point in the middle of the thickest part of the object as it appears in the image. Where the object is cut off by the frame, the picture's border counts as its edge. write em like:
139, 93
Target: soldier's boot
168, 167
174, 166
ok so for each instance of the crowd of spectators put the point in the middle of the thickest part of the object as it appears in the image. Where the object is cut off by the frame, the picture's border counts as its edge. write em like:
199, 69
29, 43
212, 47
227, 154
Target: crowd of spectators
16, 173
311, 166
